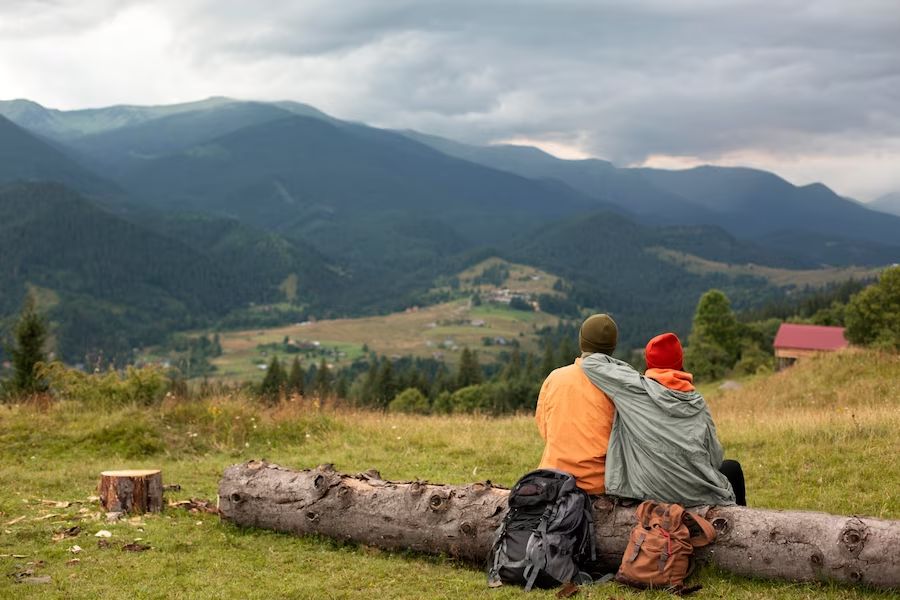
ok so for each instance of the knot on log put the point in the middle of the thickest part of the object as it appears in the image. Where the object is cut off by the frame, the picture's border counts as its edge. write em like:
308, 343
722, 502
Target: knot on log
721, 525
235, 497
416, 487
370, 475
468, 529
855, 576
817, 559
853, 537
438, 502
479, 487
312, 516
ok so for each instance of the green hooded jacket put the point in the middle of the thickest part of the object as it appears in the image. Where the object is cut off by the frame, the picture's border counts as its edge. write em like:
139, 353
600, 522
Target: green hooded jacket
663, 444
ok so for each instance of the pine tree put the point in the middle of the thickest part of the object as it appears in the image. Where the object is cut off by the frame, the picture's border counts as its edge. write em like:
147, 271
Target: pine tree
295, 380
369, 388
513, 368
30, 338
385, 384
567, 352
714, 345
873, 315
531, 372
273, 383
470, 372
323, 383
548, 363
342, 387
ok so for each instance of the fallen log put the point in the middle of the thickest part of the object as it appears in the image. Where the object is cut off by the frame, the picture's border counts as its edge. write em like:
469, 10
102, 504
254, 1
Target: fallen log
460, 521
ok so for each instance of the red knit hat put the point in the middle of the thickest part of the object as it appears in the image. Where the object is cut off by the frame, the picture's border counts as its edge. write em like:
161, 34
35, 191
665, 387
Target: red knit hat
665, 352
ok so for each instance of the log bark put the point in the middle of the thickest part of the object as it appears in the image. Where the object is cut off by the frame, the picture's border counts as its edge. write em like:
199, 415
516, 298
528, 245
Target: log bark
460, 521
134, 492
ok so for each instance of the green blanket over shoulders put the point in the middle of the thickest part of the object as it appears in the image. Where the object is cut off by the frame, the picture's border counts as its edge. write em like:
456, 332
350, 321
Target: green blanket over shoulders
663, 444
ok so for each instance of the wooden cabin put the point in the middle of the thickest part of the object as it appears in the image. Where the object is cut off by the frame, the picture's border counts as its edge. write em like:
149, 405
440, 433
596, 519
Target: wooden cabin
794, 341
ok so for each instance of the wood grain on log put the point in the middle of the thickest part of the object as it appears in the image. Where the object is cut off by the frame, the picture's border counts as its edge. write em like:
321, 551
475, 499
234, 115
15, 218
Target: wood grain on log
132, 491
460, 521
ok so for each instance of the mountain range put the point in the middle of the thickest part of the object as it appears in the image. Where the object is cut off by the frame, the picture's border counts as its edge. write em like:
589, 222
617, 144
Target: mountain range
139, 221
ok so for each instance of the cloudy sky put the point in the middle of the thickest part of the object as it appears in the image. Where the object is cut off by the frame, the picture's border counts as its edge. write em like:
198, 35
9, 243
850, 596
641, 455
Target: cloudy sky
810, 90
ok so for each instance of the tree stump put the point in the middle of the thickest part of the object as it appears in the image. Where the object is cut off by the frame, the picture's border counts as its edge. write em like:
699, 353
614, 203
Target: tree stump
133, 491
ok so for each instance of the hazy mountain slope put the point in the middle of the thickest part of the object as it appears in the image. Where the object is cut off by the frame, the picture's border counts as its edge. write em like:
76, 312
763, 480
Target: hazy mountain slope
70, 124
309, 177
753, 203
25, 157
129, 147
597, 178
889, 203
821, 226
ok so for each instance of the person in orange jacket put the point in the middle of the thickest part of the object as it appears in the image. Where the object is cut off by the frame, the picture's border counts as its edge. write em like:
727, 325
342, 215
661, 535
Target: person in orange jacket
665, 364
573, 416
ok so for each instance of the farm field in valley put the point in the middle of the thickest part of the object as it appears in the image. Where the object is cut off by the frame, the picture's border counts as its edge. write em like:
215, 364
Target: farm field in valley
439, 331
819, 436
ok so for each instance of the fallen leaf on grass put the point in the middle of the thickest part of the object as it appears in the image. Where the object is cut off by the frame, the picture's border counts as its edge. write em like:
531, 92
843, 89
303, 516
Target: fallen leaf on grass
56, 503
196, 505
66, 533
134, 548
73, 562
36, 580
103, 534
16, 520
45, 517
75, 549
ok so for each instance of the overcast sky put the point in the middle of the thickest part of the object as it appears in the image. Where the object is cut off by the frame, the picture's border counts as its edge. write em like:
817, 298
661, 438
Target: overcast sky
808, 89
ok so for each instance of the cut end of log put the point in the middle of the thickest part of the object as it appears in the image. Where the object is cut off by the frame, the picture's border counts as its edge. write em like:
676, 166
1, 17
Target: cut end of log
130, 473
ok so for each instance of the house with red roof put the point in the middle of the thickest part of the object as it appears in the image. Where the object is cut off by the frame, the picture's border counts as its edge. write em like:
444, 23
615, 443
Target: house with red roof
795, 341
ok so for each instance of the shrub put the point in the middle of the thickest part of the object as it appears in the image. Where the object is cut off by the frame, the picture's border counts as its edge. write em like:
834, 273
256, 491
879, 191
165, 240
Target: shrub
144, 386
410, 400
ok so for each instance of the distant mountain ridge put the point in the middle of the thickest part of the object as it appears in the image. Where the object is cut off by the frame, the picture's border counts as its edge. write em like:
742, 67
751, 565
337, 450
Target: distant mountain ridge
749, 203
287, 205
25, 157
888, 203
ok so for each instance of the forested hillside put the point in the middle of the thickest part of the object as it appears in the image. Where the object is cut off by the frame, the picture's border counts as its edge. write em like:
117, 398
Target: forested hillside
241, 214
111, 285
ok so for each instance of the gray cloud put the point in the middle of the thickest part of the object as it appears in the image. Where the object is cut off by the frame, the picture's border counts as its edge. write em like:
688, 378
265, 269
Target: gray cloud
781, 84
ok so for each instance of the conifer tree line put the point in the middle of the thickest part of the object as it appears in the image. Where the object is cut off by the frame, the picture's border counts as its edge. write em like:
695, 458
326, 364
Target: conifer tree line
720, 343
424, 385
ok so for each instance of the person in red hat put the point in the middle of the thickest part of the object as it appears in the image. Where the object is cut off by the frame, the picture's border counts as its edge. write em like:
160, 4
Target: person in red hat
664, 356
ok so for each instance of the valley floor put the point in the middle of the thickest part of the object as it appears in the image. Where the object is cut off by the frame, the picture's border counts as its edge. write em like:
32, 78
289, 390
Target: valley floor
820, 436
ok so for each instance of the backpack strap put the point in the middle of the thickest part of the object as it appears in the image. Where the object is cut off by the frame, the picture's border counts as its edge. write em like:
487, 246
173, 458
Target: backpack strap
708, 532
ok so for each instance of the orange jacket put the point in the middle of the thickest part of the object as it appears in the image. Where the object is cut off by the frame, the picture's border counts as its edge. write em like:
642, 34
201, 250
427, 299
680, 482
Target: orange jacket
680, 381
575, 418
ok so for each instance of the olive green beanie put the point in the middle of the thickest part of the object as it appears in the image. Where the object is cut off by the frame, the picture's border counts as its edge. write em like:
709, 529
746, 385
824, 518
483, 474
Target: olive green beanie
599, 333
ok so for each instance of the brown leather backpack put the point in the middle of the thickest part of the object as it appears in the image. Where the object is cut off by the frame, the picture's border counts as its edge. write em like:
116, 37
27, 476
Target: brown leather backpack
661, 547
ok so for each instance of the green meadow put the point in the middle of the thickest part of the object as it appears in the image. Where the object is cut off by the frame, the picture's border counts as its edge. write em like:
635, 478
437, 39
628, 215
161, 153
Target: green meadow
822, 435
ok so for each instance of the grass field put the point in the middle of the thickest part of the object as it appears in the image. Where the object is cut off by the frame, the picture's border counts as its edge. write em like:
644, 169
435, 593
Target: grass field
820, 436
800, 278
440, 330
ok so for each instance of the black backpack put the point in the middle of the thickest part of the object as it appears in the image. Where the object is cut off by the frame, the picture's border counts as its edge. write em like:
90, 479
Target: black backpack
547, 535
